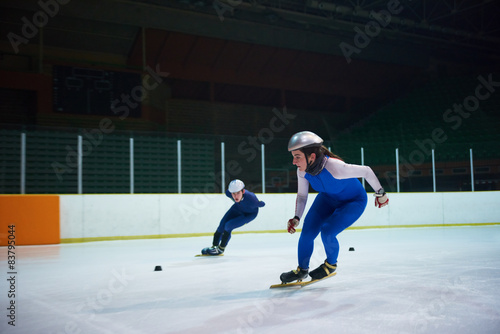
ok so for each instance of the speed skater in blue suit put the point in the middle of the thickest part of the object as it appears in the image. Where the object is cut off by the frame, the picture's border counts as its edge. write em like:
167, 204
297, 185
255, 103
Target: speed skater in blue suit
340, 201
244, 210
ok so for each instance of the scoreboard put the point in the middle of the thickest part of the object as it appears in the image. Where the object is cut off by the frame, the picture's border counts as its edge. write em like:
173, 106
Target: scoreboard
86, 91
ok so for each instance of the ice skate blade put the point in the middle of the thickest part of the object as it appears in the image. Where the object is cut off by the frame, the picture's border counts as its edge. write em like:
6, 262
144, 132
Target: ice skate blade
302, 283
208, 255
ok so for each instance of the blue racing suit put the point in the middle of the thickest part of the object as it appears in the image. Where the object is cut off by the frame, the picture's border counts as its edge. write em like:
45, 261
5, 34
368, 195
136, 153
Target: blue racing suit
238, 215
341, 200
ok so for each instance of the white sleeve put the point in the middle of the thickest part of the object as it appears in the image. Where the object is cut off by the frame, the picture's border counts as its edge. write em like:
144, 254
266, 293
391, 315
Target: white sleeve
302, 192
341, 170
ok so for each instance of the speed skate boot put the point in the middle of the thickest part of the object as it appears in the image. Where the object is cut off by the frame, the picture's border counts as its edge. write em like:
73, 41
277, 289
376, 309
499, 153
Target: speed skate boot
215, 250
295, 275
326, 269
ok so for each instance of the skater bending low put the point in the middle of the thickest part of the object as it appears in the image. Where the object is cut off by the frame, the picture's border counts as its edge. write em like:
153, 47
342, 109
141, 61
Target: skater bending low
340, 201
244, 210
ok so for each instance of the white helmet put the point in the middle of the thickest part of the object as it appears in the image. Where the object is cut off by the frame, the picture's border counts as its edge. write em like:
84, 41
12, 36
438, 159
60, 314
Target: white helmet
235, 186
304, 139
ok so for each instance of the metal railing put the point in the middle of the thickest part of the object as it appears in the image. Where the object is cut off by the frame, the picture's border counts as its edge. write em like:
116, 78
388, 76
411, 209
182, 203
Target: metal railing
54, 161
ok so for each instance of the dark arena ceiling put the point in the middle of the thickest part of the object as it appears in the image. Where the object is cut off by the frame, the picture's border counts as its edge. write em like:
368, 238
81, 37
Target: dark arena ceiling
321, 55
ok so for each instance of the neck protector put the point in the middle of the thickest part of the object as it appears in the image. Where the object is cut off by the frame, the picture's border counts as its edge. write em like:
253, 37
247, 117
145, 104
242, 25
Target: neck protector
317, 166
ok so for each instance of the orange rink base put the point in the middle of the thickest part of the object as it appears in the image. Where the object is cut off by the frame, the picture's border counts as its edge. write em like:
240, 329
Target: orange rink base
29, 219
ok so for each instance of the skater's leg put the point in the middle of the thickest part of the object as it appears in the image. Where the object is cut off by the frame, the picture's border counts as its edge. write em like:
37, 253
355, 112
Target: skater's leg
217, 236
343, 217
319, 211
232, 224
238, 221
230, 215
214, 250
226, 236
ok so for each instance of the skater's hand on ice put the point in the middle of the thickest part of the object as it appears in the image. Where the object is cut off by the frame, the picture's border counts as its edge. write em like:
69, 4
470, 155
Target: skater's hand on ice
292, 224
381, 199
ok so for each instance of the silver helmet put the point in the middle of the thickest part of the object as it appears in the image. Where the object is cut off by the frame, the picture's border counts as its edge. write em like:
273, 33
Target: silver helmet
304, 139
235, 186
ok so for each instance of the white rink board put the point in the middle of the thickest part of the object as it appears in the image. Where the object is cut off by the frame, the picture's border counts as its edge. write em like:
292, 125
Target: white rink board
94, 216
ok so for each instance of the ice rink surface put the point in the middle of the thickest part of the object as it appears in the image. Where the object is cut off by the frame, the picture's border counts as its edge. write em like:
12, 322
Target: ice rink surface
414, 280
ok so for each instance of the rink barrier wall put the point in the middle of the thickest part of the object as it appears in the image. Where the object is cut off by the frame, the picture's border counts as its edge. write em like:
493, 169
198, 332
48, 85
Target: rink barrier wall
29, 220
87, 218
209, 234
